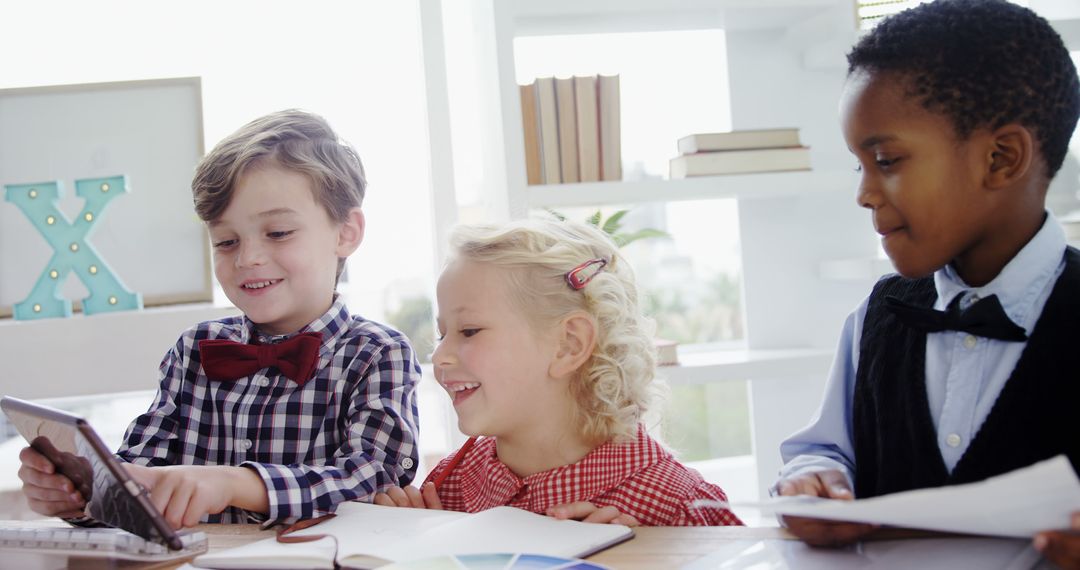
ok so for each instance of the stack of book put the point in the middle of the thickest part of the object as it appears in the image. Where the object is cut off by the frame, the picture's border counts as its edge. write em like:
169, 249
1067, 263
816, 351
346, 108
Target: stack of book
571, 129
667, 352
763, 150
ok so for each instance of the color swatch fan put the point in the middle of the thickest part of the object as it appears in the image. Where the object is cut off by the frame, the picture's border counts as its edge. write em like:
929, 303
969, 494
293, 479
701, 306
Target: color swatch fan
497, 562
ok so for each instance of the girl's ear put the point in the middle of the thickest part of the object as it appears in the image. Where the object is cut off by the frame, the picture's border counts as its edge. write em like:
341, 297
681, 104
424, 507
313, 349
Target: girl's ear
577, 338
351, 233
1012, 152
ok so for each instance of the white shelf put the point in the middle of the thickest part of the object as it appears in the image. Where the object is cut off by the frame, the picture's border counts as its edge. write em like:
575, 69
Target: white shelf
96, 354
559, 17
1069, 29
741, 186
729, 365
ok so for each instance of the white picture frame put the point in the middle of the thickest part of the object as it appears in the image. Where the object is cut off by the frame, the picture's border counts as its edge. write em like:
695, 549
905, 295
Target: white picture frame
150, 131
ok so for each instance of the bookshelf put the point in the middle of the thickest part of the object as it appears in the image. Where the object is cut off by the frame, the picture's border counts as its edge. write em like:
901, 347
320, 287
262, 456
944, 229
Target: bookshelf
785, 60
765, 185
561, 17
706, 367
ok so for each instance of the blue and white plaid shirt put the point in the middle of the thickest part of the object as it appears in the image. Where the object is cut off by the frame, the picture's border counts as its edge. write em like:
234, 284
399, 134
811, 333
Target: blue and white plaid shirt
348, 433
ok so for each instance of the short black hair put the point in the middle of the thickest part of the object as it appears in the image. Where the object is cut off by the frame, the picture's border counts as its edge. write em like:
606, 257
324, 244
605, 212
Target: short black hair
982, 63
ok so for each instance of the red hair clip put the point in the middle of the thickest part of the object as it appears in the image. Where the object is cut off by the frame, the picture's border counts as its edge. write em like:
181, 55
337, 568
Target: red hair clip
580, 276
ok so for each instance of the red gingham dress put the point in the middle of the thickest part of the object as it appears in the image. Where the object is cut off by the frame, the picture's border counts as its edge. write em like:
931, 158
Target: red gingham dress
639, 478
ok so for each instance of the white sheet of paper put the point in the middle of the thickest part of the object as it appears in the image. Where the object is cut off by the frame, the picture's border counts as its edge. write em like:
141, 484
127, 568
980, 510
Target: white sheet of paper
1019, 504
272, 555
379, 531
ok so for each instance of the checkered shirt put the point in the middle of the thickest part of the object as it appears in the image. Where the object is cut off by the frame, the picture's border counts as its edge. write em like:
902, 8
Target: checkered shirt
639, 478
349, 432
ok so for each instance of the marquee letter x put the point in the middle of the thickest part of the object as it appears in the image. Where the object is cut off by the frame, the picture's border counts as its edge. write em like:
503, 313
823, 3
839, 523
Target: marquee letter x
71, 250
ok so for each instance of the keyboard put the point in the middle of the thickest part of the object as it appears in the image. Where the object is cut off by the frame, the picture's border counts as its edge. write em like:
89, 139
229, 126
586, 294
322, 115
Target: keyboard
46, 537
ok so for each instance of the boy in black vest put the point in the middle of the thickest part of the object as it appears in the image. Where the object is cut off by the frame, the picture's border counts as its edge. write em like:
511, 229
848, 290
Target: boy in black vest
961, 367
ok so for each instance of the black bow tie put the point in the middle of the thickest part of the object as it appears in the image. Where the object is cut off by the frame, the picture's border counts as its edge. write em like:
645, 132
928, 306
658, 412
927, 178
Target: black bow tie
985, 318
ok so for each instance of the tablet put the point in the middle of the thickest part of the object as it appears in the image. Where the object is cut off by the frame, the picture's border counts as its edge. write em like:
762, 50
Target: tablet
112, 496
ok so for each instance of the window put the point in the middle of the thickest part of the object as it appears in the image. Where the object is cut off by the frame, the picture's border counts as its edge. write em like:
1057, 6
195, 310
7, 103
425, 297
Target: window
870, 12
671, 84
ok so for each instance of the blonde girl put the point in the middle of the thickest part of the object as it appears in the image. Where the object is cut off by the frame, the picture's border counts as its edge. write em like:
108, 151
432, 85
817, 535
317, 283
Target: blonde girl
550, 364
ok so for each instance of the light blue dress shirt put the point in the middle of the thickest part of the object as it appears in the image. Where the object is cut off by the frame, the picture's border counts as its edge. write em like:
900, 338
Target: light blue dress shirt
964, 373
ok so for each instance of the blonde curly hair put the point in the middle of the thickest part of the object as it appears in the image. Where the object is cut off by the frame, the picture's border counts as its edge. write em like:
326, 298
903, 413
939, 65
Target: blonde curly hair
615, 388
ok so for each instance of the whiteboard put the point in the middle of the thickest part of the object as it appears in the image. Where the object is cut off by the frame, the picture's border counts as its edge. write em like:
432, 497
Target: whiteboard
150, 131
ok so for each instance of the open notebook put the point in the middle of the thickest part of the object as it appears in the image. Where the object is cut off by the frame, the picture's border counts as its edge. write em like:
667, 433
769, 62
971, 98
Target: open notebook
367, 536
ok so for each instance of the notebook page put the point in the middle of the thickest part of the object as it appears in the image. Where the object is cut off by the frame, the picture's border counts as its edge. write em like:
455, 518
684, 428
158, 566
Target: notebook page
269, 554
383, 532
508, 529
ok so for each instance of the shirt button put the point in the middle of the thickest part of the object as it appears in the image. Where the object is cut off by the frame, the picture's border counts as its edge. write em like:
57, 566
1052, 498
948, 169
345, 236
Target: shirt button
407, 463
245, 444
970, 341
264, 381
953, 440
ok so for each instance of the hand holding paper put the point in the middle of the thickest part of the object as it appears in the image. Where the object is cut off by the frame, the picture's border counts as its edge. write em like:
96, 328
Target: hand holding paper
830, 484
1062, 547
1017, 504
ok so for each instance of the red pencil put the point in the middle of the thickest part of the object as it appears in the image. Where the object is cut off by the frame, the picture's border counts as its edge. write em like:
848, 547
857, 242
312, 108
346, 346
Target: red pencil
453, 462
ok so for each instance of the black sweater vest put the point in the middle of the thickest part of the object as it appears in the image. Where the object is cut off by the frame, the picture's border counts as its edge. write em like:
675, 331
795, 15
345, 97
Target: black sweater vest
1034, 418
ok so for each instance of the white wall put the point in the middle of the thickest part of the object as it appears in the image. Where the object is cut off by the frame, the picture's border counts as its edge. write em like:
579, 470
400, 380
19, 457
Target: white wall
98, 354
785, 240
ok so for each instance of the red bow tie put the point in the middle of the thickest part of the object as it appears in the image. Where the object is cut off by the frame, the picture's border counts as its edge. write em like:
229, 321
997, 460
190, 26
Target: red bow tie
229, 360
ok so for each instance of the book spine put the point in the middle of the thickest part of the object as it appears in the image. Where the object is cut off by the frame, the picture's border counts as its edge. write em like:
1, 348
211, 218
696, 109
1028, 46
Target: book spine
568, 150
740, 161
739, 140
551, 166
610, 135
531, 131
588, 128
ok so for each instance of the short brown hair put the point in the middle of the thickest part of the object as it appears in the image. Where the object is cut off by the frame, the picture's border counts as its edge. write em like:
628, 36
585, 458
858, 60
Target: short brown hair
293, 139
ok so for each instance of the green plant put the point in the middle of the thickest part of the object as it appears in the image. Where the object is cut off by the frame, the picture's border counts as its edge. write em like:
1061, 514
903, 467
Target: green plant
416, 319
612, 226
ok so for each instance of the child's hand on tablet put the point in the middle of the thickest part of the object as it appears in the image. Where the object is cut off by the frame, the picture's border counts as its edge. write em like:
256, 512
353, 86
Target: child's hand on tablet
184, 494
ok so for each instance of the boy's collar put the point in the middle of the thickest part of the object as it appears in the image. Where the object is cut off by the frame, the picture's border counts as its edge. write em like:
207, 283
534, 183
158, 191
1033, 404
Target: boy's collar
330, 324
1020, 281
